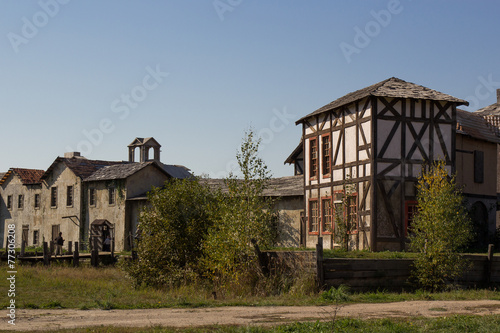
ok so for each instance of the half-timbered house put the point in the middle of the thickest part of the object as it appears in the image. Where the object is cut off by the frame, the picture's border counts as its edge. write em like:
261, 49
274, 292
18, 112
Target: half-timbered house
365, 151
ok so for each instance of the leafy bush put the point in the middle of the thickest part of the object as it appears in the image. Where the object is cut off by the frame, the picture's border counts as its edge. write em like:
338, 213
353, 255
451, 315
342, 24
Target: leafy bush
191, 230
172, 232
337, 295
440, 229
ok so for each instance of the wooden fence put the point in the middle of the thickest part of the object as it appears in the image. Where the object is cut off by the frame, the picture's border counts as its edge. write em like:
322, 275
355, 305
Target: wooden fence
72, 256
394, 274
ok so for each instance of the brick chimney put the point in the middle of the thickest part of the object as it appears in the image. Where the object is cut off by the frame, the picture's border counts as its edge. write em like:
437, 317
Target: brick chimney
498, 96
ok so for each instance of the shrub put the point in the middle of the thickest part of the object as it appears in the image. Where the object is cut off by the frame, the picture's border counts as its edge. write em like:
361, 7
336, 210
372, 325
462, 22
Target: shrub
440, 229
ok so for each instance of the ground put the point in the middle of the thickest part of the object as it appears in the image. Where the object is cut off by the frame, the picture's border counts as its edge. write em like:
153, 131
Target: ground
29, 319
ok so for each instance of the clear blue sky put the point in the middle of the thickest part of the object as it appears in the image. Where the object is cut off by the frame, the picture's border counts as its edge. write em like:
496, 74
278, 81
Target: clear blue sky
100, 67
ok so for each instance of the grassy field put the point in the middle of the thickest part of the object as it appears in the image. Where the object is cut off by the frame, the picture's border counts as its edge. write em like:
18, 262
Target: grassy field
109, 288
446, 324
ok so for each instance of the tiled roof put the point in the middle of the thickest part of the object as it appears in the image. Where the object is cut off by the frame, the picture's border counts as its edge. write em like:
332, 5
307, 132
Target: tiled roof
119, 171
277, 187
177, 171
27, 176
493, 109
80, 166
127, 169
144, 141
392, 87
295, 153
473, 125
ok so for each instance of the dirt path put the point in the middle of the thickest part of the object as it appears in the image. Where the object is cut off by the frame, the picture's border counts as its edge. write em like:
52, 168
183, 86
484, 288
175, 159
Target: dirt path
28, 320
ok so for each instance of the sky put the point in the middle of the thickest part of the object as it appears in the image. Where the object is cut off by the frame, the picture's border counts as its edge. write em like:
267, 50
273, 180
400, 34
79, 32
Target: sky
91, 76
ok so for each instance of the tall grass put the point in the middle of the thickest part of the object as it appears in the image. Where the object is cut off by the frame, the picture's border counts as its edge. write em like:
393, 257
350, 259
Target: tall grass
109, 288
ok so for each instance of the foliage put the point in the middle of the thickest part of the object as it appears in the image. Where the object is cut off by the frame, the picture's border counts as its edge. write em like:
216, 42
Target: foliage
342, 226
440, 229
191, 230
172, 232
243, 215
337, 295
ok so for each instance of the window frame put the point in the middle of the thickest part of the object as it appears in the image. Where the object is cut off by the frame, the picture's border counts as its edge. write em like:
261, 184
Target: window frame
410, 205
310, 217
349, 214
92, 197
324, 217
313, 160
326, 159
36, 236
20, 201
111, 196
10, 202
70, 196
37, 201
53, 197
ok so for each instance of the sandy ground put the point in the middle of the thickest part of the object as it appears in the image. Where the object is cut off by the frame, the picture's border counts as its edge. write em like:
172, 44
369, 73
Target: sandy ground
48, 320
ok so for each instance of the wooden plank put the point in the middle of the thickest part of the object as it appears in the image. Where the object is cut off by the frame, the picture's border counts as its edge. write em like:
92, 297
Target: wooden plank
379, 274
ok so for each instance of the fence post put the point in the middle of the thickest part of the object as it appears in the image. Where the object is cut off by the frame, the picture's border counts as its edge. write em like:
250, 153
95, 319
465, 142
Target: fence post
489, 263
51, 248
76, 256
23, 248
70, 247
112, 248
319, 263
46, 254
94, 256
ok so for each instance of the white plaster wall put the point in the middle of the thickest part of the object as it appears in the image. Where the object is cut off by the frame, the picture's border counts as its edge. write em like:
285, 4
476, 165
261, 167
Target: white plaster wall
350, 137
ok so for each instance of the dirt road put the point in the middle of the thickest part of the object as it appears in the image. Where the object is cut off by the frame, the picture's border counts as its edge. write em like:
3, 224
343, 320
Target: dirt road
28, 320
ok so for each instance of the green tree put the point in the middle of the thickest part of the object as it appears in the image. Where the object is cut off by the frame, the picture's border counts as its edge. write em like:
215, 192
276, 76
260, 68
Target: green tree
440, 229
243, 214
172, 231
344, 227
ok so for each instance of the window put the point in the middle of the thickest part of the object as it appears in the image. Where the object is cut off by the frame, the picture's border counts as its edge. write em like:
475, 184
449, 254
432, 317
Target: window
313, 216
36, 237
20, 201
37, 200
111, 195
478, 166
313, 158
326, 155
69, 196
92, 197
411, 208
53, 197
327, 215
9, 202
352, 213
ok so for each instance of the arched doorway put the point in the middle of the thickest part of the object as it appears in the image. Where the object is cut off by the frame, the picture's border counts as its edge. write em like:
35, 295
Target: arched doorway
99, 231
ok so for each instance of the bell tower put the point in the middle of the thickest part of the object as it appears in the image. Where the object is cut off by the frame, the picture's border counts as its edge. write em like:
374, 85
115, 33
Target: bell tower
145, 145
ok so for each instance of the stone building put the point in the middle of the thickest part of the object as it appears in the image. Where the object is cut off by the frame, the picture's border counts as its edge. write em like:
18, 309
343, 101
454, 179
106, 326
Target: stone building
366, 149
289, 195
83, 198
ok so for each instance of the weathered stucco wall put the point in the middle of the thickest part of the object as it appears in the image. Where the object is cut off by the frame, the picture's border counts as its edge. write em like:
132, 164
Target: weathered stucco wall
67, 217
143, 181
103, 210
27, 217
289, 210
